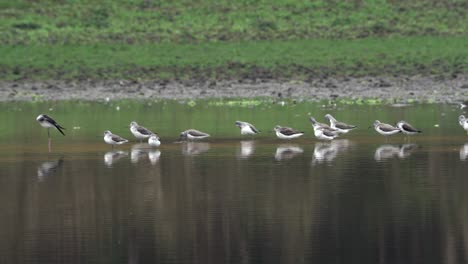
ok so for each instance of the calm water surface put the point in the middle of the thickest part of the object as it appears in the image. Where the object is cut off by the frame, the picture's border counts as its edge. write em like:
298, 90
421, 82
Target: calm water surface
231, 199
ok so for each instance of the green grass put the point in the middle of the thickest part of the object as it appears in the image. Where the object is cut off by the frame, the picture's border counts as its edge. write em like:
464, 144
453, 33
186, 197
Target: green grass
187, 21
300, 59
221, 39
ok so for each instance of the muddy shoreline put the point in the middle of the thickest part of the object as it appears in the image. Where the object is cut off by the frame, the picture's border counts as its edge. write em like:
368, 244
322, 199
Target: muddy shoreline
400, 89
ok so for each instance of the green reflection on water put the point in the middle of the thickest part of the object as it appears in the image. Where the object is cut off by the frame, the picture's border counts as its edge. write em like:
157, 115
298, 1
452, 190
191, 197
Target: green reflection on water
88, 120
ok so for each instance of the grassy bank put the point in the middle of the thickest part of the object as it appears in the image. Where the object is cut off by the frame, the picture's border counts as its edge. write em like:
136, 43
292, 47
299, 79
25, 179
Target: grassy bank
186, 21
223, 39
300, 59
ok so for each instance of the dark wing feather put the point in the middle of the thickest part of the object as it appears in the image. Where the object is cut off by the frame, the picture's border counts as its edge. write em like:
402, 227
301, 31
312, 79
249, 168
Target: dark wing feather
196, 133
52, 121
117, 138
253, 128
387, 127
409, 128
342, 125
144, 130
288, 131
328, 133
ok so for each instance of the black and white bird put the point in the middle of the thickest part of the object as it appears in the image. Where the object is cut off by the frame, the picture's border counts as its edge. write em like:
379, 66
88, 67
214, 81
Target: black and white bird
192, 134
247, 128
113, 139
385, 129
287, 132
407, 129
47, 122
140, 132
463, 121
340, 127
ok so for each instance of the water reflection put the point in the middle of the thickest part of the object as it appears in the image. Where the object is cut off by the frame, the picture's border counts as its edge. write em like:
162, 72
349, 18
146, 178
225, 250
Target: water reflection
385, 152
194, 148
247, 148
138, 151
153, 156
406, 150
287, 151
464, 152
112, 156
328, 151
48, 168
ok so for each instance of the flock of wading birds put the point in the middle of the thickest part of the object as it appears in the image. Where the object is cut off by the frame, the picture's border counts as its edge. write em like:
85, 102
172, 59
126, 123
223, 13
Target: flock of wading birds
321, 131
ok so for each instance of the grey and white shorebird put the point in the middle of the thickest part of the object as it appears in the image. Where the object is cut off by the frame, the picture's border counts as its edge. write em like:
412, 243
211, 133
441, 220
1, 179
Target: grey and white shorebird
407, 129
463, 121
325, 134
317, 124
247, 128
340, 127
154, 141
192, 134
323, 131
113, 139
47, 122
287, 132
140, 132
385, 129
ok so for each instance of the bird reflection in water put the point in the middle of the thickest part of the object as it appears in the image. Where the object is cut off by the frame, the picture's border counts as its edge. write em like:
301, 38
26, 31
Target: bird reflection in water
48, 168
287, 151
328, 151
406, 150
153, 156
386, 152
247, 148
464, 152
138, 151
112, 156
194, 148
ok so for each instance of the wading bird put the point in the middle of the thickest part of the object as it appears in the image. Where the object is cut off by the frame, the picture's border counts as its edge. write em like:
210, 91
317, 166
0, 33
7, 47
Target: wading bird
287, 132
47, 122
113, 139
340, 127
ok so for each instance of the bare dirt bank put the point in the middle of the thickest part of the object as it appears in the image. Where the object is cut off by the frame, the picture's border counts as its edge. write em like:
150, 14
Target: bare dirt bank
401, 89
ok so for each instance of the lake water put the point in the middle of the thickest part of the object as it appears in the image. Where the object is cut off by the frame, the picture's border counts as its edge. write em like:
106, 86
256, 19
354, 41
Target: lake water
231, 199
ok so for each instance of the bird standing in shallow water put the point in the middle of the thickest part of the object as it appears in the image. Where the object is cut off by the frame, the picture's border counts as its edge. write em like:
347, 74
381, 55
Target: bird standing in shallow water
323, 131
47, 122
407, 129
112, 139
340, 127
385, 129
246, 128
287, 132
140, 132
